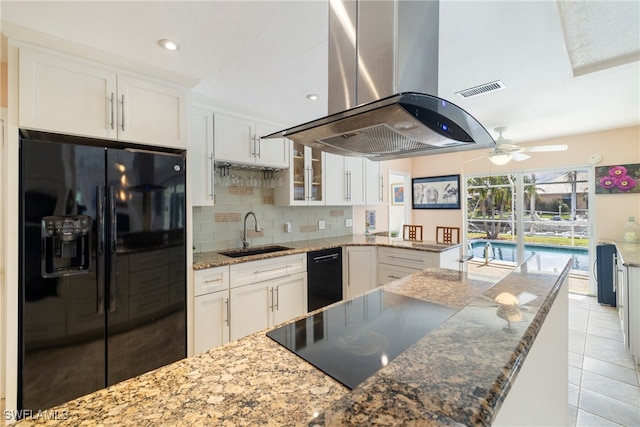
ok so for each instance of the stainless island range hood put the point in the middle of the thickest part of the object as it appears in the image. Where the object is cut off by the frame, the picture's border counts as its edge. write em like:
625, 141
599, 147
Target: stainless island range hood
383, 59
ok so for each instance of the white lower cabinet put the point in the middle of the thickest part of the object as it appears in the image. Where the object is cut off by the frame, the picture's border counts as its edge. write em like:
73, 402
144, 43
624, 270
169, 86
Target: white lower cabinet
262, 305
633, 304
250, 309
388, 273
267, 292
211, 320
359, 271
628, 302
211, 308
395, 263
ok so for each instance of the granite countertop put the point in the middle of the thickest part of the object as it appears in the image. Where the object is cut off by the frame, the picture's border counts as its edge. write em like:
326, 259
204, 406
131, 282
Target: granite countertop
459, 373
630, 253
216, 259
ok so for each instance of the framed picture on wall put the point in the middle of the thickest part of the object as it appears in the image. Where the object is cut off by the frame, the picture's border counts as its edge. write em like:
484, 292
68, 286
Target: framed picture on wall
618, 179
397, 194
436, 192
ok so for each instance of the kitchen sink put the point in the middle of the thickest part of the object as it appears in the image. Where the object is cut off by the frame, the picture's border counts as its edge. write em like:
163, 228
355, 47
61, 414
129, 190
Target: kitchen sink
237, 253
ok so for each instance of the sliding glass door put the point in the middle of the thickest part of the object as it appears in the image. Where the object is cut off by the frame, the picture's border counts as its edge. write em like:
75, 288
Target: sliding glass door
511, 217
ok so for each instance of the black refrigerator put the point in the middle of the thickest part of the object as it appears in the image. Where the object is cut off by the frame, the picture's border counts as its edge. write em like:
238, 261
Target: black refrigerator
102, 264
606, 271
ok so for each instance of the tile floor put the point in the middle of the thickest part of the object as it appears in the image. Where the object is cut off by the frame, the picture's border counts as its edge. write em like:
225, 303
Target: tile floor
603, 379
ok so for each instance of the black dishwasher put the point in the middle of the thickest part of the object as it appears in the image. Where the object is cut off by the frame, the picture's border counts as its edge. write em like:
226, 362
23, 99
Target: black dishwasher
324, 277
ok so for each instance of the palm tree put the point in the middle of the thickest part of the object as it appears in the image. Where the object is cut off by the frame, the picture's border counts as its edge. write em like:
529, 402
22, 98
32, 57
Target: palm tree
531, 195
571, 176
492, 196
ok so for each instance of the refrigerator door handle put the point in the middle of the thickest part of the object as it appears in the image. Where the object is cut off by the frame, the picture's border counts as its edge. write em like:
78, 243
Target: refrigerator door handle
100, 249
113, 240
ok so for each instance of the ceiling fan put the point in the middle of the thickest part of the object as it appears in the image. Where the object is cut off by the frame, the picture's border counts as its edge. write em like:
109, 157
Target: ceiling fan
505, 150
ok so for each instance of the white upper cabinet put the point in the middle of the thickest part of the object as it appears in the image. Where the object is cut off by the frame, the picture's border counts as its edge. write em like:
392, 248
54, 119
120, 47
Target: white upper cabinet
373, 183
150, 113
304, 182
59, 95
200, 157
233, 139
345, 178
273, 151
238, 140
64, 94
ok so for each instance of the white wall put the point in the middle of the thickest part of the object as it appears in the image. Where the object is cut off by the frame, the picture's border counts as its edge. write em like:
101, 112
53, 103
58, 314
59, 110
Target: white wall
382, 211
398, 213
617, 146
441, 164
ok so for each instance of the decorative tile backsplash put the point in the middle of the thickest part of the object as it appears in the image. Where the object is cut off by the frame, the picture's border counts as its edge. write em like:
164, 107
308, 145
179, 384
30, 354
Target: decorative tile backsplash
220, 227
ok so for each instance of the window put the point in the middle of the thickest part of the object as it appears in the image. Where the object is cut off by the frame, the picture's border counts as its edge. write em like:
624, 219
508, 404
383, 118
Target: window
512, 217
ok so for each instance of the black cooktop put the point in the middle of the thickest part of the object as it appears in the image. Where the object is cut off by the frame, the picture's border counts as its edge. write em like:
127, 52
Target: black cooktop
353, 340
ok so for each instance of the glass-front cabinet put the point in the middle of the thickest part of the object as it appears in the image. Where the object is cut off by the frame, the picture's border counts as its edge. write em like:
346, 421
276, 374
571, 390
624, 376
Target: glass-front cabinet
305, 179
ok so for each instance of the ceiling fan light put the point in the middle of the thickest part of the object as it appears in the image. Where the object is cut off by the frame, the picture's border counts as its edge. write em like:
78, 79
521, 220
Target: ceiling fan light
500, 158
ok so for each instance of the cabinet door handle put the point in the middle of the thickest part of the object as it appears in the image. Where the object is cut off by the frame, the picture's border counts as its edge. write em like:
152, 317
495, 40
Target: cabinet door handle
406, 259
271, 305
122, 113
346, 186
349, 186
213, 168
272, 269
226, 303
111, 101
219, 279
259, 145
309, 182
277, 298
615, 272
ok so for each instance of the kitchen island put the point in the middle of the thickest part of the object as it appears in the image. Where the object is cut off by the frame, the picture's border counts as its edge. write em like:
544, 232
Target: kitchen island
462, 372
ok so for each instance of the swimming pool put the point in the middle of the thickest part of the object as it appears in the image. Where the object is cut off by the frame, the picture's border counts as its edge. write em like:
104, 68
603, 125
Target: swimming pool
506, 251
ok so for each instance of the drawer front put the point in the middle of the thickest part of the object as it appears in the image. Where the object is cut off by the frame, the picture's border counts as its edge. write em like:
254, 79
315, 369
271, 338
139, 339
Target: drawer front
267, 269
211, 280
407, 258
388, 273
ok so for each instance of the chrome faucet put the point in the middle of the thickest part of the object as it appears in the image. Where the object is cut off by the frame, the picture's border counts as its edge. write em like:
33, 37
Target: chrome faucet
245, 242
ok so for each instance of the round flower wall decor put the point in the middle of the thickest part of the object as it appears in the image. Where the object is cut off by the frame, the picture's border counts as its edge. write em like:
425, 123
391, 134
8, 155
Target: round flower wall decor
618, 179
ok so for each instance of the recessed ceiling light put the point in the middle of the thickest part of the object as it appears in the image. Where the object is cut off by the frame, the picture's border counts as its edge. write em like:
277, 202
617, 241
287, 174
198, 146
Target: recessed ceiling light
313, 96
168, 44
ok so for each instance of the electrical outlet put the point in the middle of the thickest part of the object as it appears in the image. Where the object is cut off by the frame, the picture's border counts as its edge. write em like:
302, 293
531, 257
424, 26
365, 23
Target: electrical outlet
287, 227
348, 222
321, 225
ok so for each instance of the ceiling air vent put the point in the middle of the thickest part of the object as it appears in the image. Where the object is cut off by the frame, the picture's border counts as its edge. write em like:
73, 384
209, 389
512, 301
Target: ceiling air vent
479, 90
